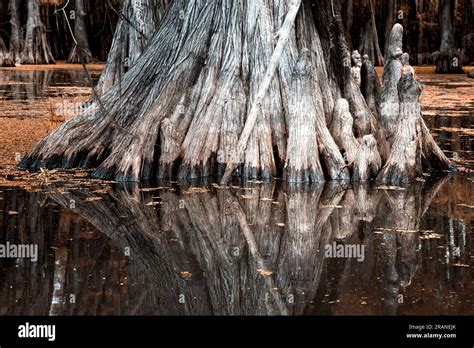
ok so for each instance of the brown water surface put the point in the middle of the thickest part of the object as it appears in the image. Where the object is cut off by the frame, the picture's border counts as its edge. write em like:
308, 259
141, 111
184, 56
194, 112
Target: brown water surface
198, 248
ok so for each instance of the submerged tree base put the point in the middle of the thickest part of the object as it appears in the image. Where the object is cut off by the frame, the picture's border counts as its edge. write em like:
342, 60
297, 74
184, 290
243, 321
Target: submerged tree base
180, 109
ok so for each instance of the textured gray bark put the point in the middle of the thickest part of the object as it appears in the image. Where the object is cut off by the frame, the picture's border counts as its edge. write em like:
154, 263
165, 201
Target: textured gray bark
342, 130
36, 48
133, 33
370, 86
302, 160
389, 106
183, 104
367, 163
404, 163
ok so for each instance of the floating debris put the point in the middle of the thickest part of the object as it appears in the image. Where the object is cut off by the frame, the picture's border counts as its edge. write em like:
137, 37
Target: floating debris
149, 189
195, 190
93, 199
430, 235
466, 205
185, 275
154, 203
381, 229
264, 272
461, 265
393, 188
248, 197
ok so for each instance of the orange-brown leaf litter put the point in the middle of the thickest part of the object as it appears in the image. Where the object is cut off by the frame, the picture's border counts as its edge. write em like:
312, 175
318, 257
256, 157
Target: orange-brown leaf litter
30, 96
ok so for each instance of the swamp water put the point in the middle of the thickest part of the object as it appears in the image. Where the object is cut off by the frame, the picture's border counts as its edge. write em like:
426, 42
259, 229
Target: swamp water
255, 249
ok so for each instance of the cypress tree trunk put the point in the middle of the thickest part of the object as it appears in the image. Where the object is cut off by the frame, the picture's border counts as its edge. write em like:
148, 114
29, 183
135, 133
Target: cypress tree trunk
132, 35
448, 60
36, 48
369, 44
5, 59
80, 52
185, 101
15, 34
468, 33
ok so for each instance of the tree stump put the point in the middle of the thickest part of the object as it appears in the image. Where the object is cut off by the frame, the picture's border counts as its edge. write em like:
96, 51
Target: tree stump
404, 163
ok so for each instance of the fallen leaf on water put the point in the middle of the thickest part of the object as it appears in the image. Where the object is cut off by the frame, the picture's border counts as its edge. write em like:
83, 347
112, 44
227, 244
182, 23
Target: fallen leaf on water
264, 272
93, 199
101, 191
154, 203
150, 189
430, 236
195, 190
461, 265
395, 188
394, 230
186, 275
248, 197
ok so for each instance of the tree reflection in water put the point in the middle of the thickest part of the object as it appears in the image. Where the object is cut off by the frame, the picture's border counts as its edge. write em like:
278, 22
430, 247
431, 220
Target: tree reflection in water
252, 250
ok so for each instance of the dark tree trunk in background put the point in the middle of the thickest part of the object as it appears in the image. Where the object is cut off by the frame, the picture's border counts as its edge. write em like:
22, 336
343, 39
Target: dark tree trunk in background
369, 44
80, 52
468, 33
5, 58
15, 30
448, 60
36, 48
349, 20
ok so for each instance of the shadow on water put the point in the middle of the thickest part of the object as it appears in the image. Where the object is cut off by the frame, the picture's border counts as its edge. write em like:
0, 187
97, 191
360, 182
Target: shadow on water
252, 250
